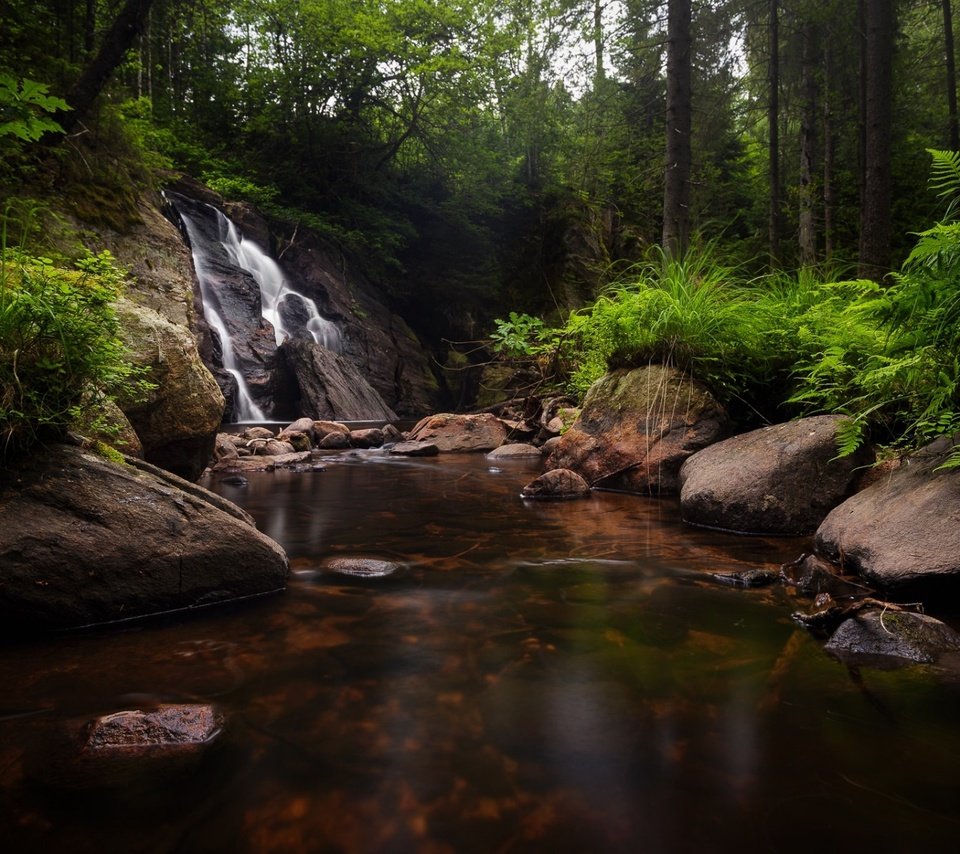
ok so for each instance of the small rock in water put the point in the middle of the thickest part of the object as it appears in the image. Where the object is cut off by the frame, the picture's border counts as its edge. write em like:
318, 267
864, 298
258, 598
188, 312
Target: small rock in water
889, 634
747, 577
364, 567
234, 480
515, 450
415, 449
557, 483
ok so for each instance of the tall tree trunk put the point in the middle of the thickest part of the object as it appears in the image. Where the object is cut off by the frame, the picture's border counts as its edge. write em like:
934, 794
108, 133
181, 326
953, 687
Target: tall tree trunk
875, 226
829, 156
599, 73
951, 75
676, 185
808, 134
773, 123
120, 38
89, 28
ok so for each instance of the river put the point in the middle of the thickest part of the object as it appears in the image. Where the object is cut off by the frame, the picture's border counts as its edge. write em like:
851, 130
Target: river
539, 677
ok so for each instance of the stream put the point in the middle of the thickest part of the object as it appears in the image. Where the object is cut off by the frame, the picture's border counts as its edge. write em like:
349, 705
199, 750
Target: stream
553, 677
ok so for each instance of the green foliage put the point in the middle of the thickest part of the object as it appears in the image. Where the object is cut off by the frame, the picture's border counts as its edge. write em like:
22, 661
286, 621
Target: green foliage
60, 350
26, 109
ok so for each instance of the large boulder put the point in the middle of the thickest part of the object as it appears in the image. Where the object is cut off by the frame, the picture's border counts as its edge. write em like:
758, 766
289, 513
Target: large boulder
85, 541
177, 421
782, 479
460, 433
636, 429
904, 529
331, 386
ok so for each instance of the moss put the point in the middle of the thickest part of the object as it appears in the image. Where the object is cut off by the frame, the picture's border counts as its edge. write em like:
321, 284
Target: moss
108, 452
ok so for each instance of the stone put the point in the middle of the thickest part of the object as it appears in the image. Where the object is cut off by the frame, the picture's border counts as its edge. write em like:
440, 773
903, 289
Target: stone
895, 635
364, 568
391, 434
131, 748
225, 448
301, 425
904, 530
177, 421
637, 427
86, 541
322, 428
331, 386
257, 433
781, 479
557, 483
298, 441
371, 437
276, 448
334, 441
415, 449
516, 450
460, 433
755, 577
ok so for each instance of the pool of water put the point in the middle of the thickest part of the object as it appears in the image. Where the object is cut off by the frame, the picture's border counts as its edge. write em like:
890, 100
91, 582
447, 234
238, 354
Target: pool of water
540, 677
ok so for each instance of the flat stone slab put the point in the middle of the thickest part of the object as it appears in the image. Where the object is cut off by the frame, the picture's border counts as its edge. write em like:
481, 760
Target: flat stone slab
415, 449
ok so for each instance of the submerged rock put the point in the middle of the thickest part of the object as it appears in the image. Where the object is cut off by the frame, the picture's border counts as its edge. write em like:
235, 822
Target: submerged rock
364, 568
85, 541
893, 635
557, 483
636, 429
782, 479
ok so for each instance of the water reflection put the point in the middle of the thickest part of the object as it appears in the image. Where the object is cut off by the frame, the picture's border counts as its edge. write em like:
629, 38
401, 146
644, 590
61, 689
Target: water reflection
544, 677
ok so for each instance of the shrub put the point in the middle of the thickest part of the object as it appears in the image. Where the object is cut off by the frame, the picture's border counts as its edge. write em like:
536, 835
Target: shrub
60, 351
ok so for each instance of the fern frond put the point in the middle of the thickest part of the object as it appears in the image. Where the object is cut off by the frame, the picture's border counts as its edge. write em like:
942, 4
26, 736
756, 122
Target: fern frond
945, 172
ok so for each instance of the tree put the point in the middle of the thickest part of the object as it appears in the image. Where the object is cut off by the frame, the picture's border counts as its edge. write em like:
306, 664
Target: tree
676, 185
875, 222
773, 125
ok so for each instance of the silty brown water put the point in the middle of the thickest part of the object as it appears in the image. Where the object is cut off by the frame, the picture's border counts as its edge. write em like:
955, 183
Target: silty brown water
538, 677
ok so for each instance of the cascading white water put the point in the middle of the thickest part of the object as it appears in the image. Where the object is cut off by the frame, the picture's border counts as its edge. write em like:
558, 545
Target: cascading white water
274, 288
245, 408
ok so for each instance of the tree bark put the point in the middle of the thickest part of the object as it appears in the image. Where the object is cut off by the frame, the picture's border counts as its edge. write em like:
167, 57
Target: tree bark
676, 185
121, 37
773, 123
951, 75
875, 223
829, 157
808, 134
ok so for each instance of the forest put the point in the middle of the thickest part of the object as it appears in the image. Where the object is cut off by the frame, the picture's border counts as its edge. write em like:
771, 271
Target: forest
758, 191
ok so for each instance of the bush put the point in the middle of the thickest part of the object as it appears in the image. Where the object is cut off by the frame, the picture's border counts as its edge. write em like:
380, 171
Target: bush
60, 350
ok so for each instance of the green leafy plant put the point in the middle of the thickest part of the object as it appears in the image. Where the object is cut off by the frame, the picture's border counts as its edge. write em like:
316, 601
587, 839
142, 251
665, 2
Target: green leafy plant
27, 110
60, 349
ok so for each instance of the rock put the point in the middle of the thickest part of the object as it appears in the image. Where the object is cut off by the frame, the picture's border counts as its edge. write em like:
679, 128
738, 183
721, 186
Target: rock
636, 429
782, 479
301, 425
322, 428
557, 483
550, 445
177, 421
903, 530
460, 433
364, 568
813, 576
296, 461
133, 747
257, 433
331, 386
893, 634
369, 438
415, 449
334, 441
276, 448
517, 450
225, 448
391, 434
298, 441
747, 577
86, 541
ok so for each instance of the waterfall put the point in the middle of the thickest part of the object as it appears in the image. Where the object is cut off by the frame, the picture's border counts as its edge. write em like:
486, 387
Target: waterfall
279, 301
245, 408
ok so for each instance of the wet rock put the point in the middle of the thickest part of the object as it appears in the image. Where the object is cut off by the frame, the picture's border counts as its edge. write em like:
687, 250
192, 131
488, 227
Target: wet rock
895, 635
364, 568
257, 433
276, 448
334, 441
391, 434
301, 425
460, 433
298, 441
516, 450
748, 577
636, 429
415, 449
901, 531
134, 747
332, 386
225, 448
85, 541
812, 576
782, 479
368, 438
322, 428
557, 483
